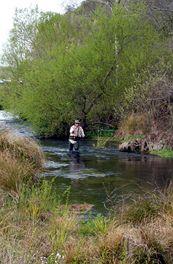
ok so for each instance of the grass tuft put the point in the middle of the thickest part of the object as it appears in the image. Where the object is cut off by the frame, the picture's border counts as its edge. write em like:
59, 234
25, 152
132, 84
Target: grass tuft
13, 172
141, 210
20, 161
22, 148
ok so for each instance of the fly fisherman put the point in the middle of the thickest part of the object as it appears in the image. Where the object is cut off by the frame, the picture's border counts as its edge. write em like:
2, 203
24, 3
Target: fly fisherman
76, 132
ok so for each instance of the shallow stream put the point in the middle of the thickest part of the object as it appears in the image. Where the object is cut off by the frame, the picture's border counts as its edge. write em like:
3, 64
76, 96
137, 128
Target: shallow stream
99, 176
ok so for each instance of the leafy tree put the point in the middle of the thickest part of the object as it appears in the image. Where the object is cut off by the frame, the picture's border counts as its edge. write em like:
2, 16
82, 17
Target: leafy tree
21, 37
80, 66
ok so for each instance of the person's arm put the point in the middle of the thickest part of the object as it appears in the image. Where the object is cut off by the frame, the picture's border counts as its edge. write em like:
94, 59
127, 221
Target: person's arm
82, 134
72, 131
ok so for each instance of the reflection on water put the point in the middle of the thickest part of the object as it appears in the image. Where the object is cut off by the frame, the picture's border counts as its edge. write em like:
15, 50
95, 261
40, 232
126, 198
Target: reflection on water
98, 173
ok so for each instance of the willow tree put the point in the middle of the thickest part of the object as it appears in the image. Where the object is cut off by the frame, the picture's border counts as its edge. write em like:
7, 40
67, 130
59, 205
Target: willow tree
82, 67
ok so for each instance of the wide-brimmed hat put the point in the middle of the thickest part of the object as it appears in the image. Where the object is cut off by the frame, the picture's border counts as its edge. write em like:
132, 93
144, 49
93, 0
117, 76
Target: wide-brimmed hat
77, 121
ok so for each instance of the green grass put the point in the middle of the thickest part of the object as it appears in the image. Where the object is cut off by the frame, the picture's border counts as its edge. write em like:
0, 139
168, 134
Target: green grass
95, 226
142, 209
102, 142
131, 137
100, 133
164, 153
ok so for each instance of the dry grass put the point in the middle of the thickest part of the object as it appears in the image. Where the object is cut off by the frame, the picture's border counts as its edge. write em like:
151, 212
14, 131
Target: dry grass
24, 242
13, 172
21, 148
135, 124
26, 237
20, 161
145, 237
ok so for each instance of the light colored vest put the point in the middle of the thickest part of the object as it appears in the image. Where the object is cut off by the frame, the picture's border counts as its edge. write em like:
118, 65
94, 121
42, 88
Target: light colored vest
76, 132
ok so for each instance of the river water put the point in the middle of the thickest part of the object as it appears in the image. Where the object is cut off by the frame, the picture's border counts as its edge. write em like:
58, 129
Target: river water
99, 176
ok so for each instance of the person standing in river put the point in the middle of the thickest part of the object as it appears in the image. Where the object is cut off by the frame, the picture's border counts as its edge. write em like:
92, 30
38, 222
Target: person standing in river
76, 133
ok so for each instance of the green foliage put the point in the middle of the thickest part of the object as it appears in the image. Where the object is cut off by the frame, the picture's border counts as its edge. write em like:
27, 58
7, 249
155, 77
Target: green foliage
98, 225
21, 37
164, 153
79, 66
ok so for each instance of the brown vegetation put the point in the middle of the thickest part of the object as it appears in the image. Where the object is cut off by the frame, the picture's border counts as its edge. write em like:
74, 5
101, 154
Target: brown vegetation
20, 160
22, 148
150, 113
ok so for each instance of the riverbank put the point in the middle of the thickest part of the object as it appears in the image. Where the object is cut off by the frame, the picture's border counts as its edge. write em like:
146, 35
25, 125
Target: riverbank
163, 153
39, 226
35, 227
136, 143
142, 145
145, 134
